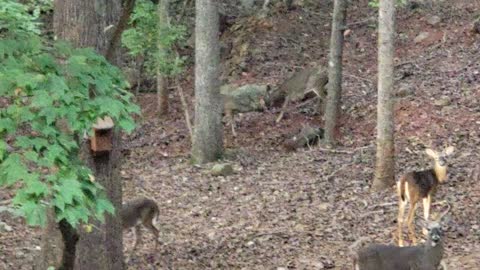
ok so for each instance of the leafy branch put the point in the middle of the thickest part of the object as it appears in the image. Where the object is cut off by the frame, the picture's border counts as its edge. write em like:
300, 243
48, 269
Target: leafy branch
51, 94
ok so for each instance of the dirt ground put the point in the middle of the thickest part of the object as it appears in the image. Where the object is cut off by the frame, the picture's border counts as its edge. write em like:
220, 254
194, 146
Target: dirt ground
302, 210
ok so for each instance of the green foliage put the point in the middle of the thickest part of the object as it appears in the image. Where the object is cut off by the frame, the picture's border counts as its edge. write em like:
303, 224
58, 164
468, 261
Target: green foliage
14, 19
147, 35
44, 87
39, 5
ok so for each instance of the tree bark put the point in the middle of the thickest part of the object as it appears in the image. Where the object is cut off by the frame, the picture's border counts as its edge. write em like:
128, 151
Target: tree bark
208, 131
83, 23
162, 85
385, 161
335, 71
52, 245
70, 239
102, 248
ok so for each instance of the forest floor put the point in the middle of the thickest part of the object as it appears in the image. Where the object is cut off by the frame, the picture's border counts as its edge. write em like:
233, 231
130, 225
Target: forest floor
302, 210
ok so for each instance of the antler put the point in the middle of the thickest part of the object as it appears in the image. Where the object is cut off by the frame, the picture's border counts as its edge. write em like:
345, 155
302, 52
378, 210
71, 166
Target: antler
445, 212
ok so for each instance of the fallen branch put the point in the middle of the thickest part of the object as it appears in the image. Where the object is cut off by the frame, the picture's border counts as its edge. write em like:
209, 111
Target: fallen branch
340, 151
336, 171
371, 19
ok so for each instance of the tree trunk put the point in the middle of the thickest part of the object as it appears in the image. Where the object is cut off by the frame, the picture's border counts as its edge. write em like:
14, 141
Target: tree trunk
335, 71
102, 248
208, 131
385, 162
52, 245
162, 93
83, 24
162, 85
70, 238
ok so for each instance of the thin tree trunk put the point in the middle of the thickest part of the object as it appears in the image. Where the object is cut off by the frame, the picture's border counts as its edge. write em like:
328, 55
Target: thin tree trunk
162, 93
335, 71
162, 85
208, 131
385, 162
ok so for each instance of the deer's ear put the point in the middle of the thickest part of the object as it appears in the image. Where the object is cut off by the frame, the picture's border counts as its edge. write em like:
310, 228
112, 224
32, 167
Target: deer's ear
449, 150
431, 153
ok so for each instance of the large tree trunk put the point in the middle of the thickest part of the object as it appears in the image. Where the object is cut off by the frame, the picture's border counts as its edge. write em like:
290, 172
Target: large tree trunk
83, 23
335, 71
162, 85
208, 130
385, 161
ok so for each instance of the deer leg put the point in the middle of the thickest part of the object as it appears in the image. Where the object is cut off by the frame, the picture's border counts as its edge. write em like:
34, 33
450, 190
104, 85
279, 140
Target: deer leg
284, 106
231, 120
401, 212
426, 211
138, 237
232, 123
410, 224
154, 230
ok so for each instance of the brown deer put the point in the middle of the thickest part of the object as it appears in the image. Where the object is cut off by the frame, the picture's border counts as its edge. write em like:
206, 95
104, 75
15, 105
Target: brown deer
420, 185
427, 256
139, 212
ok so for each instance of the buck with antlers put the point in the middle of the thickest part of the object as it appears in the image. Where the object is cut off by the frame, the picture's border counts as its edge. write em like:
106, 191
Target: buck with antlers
420, 185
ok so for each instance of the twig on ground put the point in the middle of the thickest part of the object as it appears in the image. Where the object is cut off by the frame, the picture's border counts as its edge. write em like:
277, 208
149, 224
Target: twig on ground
185, 110
359, 78
357, 23
340, 151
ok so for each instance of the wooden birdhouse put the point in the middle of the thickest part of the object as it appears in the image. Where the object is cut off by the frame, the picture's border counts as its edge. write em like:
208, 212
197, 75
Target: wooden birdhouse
102, 135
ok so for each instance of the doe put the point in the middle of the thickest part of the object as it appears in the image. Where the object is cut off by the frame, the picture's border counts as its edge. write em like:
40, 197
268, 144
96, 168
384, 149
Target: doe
137, 212
420, 185
427, 256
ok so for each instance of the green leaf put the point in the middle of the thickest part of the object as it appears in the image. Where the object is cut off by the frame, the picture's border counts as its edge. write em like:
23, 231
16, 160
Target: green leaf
53, 153
3, 151
103, 206
34, 186
34, 213
68, 189
41, 99
7, 125
13, 170
31, 156
59, 202
127, 125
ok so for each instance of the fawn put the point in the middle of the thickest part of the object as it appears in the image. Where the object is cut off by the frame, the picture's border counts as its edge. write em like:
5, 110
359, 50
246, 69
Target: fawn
427, 256
137, 212
420, 185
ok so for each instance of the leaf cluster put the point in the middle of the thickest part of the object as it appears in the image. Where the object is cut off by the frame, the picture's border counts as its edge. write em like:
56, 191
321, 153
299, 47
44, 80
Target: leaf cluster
50, 95
153, 40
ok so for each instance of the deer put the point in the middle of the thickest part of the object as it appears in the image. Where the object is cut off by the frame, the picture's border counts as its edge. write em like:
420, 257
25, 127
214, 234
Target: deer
142, 211
427, 256
246, 98
420, 185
